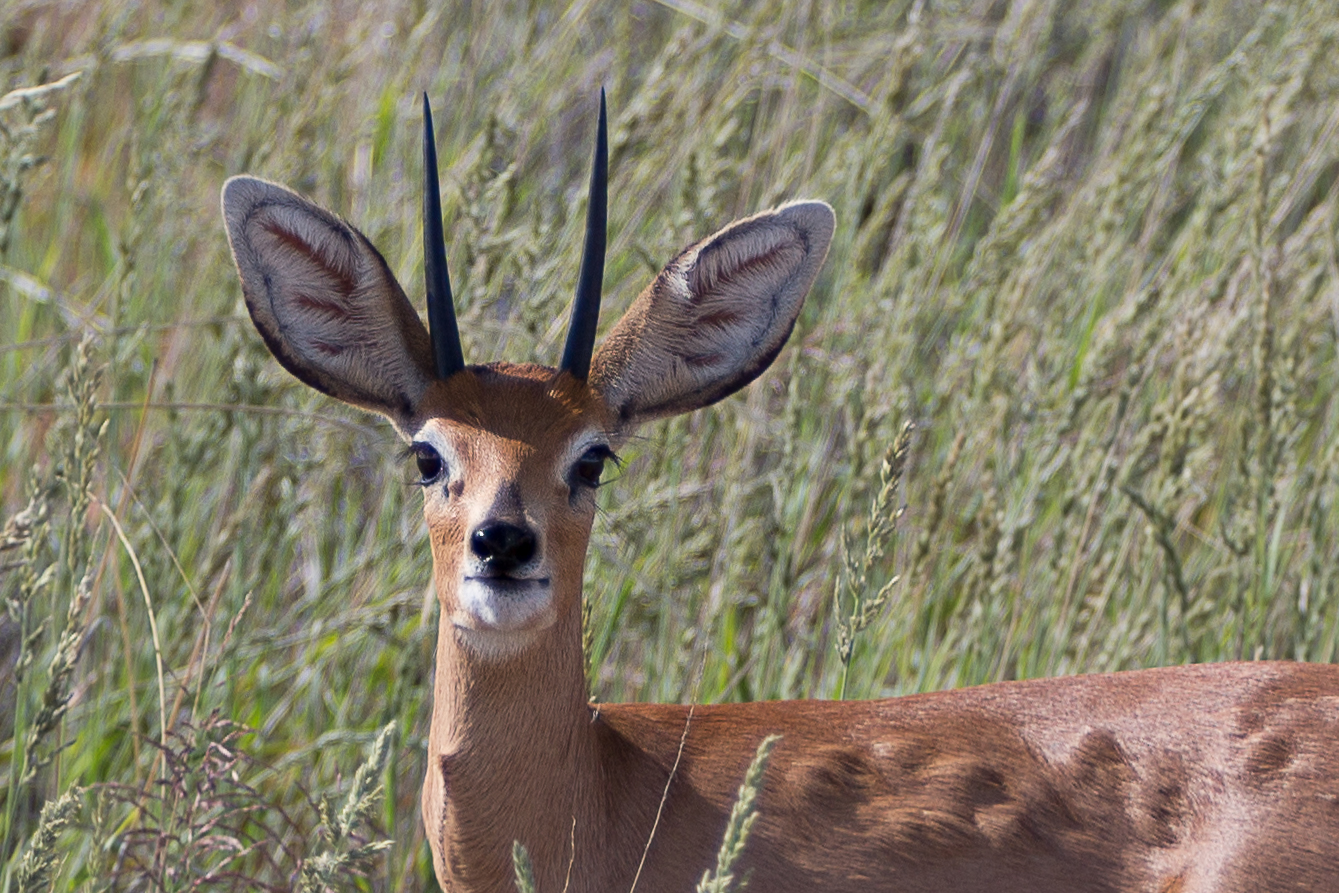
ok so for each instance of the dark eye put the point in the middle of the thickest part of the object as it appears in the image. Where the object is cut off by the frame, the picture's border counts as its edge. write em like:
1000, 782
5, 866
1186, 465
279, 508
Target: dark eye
430, 464
591, 465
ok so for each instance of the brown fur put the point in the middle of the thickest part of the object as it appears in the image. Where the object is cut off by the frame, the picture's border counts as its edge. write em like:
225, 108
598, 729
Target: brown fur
1176, 780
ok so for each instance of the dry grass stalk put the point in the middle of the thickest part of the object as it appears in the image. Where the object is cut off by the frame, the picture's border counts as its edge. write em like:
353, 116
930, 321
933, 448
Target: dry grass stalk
855, 602
56, 696
345, 855
525, 871
42, 859
743, 814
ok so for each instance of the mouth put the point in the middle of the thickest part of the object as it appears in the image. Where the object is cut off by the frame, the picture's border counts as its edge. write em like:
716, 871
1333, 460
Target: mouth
500, 603
504, 583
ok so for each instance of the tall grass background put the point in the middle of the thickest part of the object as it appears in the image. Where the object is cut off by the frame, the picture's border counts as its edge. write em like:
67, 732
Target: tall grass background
1089, 251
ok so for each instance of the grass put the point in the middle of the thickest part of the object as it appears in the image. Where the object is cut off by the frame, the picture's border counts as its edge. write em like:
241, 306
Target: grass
1089, 250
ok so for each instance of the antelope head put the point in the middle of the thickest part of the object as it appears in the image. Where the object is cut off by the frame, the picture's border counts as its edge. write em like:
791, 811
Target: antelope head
509, 456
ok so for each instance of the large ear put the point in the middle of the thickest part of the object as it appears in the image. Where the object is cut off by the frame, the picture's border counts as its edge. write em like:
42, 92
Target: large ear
716, 317
325, 301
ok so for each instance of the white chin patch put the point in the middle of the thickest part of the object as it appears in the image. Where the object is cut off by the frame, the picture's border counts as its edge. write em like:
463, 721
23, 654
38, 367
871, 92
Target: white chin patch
501, 605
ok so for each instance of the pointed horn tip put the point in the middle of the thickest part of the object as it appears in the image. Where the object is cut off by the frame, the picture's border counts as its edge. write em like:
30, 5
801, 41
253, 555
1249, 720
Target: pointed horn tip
602, 141
442, 330
578, 351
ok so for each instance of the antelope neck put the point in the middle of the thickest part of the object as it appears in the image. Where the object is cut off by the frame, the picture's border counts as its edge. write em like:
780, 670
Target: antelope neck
504, 733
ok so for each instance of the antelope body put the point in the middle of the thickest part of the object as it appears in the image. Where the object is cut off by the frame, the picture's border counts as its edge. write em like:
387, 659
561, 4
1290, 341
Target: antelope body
1222, 777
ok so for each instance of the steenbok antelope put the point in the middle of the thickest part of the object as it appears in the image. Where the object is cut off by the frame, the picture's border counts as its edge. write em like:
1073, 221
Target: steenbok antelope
1193, 778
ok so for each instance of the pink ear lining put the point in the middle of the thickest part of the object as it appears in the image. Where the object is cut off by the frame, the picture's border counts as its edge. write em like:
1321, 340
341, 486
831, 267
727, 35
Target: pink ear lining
295, 243
717, 316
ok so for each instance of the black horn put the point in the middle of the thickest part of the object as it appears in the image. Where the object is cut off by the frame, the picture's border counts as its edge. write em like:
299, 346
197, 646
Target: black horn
586, 307
441, 311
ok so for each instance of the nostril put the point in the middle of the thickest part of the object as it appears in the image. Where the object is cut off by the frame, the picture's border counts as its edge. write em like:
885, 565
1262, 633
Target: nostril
502, 546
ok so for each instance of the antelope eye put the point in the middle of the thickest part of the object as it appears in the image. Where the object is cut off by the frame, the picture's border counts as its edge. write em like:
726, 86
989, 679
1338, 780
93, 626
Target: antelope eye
430, 464
591, 465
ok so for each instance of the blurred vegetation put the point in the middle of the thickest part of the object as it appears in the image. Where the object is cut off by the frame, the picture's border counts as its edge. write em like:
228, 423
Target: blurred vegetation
1089, 250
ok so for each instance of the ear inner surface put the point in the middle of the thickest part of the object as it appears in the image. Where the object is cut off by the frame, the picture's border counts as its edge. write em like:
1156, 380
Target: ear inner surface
324, 300
716, 316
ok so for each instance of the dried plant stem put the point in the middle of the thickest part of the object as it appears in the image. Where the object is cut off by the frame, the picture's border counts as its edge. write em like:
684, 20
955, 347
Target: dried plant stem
664, 796
123, 626
1164, 529
1263, 354
153, 622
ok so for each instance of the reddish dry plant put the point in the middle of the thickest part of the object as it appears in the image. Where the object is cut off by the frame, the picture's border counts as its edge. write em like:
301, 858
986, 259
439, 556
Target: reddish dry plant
200, 826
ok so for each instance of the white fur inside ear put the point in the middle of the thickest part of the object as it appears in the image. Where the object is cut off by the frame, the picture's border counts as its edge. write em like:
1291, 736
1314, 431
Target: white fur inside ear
717, 316
320, 295
732, 295
756, 263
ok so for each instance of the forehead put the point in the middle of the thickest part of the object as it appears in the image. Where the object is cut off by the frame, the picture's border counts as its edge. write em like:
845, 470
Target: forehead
528, 404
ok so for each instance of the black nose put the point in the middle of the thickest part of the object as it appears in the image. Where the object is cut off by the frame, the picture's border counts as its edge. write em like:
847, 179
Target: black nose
501, 546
